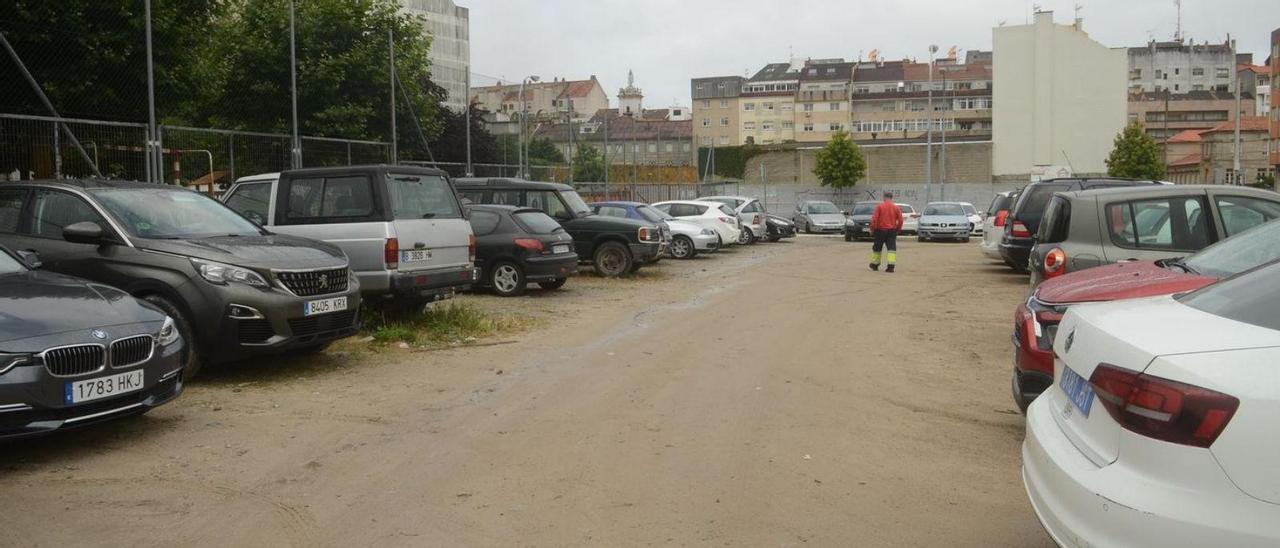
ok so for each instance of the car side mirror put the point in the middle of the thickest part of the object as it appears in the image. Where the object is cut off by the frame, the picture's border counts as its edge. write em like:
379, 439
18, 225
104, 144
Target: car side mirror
85, 232
31, 258
563, 216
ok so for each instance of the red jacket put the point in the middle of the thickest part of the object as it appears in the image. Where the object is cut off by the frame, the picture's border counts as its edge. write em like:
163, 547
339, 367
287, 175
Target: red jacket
887, 216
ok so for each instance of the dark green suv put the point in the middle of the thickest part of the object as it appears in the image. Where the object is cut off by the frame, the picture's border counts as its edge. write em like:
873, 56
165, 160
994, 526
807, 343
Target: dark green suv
614, 246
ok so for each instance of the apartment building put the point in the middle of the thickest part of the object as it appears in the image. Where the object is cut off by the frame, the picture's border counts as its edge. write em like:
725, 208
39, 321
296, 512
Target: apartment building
1255, 80
891, 100
715, 110
768, 105
1165, 114
558, 99
651, 137
1214, 162
822, 100
449, 26
1181, 67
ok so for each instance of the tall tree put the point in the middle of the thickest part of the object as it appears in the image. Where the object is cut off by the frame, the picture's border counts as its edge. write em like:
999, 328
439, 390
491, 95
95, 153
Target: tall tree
840, 163
588, 165
1135, 155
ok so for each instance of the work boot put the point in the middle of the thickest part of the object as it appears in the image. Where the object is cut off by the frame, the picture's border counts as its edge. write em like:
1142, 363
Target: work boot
875, 267
888, 268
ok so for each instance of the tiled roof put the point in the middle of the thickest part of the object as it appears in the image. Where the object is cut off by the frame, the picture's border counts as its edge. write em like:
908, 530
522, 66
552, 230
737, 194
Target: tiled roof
889, 72
621, 129
919, 72
577, 88
827, 71
1203, 95
774, 71
1188, 136
1188, 160
1247, 123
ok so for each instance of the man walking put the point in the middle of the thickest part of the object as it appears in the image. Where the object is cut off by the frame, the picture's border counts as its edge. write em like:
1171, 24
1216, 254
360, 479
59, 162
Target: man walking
886, 221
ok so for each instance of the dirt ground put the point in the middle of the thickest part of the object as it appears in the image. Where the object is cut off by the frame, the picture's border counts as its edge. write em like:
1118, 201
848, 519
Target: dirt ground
775, 395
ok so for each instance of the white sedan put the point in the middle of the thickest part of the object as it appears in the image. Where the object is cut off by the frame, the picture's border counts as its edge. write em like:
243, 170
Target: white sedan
1161, 429
713, 215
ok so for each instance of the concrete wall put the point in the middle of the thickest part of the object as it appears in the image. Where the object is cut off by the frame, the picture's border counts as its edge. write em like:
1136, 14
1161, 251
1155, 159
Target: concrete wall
887, 164
1059, 98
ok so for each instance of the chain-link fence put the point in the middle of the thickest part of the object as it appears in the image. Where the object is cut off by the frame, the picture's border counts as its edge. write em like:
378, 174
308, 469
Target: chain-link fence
38, 147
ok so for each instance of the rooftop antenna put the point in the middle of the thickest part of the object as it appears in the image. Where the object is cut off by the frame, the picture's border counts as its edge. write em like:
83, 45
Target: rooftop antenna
1177, 34
1078, 21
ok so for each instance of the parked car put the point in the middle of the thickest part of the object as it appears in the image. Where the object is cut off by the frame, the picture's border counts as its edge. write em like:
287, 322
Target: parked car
910, 219
1035, 322
944, 221
993, 224
517, 246
858, 224
402, 227
713, 215
614, 246
1024, 218
74, 353
779, 227
233, 289
818, 217
974, 217
687, 238
750, 211
1084, 229
1162, 428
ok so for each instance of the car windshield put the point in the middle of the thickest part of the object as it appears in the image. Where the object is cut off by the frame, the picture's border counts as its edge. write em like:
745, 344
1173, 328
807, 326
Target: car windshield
537, 222
970, 210
652, 215
821, 208
944, 209
1249, 249
864, 209
172, 213
727, 210
10, 265
1252, 297
575, 203
422, 197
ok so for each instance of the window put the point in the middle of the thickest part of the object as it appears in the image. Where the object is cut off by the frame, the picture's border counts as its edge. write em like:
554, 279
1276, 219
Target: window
52, 211
11, 200
1176, 223
1177, 71
724, 122
507, 197
1198, 71
834, 106
808, 126
669, 147
748, 106
708, 140
483, 223
767, 126
547, 201
749, 126
422, 197
706, 103
767, 106
1240, 213
724, 103
684, 147
706, 122
836, 126
635, 148
808, 107
652, 147
1197, 87
788, 124
612, 211
1222, 72
1056, 221
251, 200
788, 107
332, 198
861, 89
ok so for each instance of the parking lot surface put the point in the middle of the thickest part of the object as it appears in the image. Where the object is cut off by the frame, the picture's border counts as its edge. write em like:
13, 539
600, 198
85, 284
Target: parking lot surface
779, 394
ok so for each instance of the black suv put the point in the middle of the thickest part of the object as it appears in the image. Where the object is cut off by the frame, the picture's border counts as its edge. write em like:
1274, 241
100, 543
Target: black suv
614, 246
233, 289
1024, 217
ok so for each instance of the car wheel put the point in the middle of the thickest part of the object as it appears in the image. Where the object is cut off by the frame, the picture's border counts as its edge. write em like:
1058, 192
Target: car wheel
682, 248
612, 259
191, 360
808, 228
553, 284
506, 279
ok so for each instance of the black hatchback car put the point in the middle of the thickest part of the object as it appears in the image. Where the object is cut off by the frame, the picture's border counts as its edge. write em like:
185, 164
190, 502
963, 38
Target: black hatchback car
1024, 218
74, 353
233, 289
516, 246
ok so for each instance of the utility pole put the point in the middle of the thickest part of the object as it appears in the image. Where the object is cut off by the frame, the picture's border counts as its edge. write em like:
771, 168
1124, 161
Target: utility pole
1235, 76
942, 176
470, 172
1166, 128
928, 148
296, 146
154, 155
391, 49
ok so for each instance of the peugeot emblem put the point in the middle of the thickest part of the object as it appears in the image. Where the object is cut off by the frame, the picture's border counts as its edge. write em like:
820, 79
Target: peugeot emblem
1071, 339
324, 281
98, 334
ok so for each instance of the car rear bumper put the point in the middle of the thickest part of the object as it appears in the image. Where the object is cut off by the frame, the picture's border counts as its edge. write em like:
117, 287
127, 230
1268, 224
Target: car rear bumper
31, 400
828, 229
1032, 366
1081, 504
545, 269
705, 242
646, 252
1015, 253
990, 248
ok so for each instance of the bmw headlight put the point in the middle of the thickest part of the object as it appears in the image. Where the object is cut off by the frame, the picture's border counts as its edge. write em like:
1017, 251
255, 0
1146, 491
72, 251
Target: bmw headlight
168, 333
223, 274
708, 232
9, 361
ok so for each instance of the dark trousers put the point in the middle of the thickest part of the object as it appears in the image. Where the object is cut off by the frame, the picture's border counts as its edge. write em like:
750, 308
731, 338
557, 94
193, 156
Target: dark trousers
883, 239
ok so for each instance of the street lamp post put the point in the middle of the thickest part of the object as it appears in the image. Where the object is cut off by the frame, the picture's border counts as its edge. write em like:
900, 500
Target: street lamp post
942, 161
524, 114
928, 149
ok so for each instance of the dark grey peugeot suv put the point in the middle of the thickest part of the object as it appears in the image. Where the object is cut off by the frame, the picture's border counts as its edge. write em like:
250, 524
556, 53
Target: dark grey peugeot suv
233, 289
74, 353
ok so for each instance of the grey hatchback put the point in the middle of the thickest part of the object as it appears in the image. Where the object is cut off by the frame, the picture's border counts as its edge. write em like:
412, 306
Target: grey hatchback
1084, 229
74, 353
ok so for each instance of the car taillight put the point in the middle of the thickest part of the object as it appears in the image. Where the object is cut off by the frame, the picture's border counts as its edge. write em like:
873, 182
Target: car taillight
1001, 217
1020, 230
531, 244
471, 248
726, 220
1163, 409
915, 215
1055, 263
391, 253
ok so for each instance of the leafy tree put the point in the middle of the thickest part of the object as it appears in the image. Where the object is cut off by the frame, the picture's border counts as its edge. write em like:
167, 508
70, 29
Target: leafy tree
588, 165
840, 163
1136, 155
543, 152
450, 144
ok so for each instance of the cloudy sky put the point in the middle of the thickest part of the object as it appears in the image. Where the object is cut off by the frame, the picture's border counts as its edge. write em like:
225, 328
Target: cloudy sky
666, 42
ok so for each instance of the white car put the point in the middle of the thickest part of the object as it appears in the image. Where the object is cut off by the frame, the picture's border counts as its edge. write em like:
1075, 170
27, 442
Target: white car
974, 217
910, 219
993, 224
750, 211
1161, 429
714, 215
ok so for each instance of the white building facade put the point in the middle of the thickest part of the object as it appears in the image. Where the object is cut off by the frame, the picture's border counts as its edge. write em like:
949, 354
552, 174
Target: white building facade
450, 28
1059, 99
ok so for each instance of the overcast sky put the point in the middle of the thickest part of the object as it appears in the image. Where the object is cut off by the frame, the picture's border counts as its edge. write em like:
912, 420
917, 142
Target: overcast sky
666, 42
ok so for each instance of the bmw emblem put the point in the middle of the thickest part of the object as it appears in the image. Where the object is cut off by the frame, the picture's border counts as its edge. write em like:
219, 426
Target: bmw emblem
98, 334
1071, 339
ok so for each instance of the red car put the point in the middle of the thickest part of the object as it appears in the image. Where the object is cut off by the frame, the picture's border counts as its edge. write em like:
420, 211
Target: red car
1036, 321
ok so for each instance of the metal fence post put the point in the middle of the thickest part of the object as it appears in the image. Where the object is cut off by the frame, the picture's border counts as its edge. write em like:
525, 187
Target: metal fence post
231, 158
57, 154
